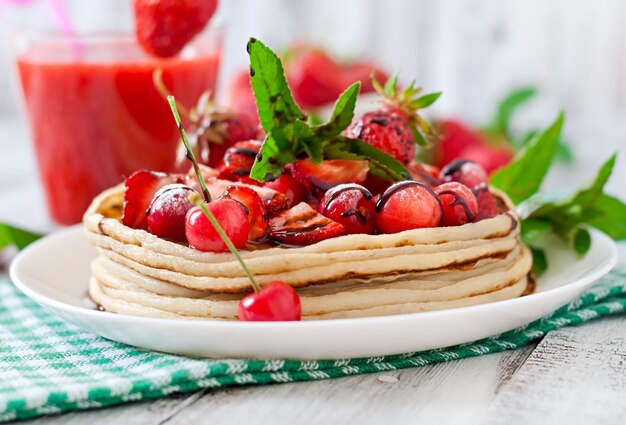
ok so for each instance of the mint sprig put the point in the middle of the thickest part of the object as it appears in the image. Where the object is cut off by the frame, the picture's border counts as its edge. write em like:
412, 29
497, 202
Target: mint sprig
291, 134
15, 236
568, 217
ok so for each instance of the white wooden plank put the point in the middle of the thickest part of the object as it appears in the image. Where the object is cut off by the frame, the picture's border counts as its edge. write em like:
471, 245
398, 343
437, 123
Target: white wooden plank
446, 394
575, 376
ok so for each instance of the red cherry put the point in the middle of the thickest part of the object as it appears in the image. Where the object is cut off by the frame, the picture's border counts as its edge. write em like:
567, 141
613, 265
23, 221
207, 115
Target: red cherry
167, 212
463, 171
352, 206
408, 205
230, 214
291, 188
458, 202
275, 302
487, 207
257, 216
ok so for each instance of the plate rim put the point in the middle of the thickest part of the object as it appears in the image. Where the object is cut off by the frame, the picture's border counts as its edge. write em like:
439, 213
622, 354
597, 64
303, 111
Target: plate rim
46, 301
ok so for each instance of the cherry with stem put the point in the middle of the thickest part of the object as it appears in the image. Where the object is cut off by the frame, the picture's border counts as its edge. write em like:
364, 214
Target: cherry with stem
276, 301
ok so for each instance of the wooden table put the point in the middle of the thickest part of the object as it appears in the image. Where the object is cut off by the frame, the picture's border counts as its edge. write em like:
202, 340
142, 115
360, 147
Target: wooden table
574, 375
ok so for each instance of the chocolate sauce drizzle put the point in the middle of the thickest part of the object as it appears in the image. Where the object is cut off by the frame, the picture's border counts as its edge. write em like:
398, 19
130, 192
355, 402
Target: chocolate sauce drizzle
460, 201
338, 190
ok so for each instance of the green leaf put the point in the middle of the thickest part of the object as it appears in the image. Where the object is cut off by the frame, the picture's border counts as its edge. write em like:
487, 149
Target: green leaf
381, 164
275, 153
425, 101
523, 176
391, 86
581, 241
534, 229
342, 114
11, 235
508, 106
275, 103
607, 214
540, 262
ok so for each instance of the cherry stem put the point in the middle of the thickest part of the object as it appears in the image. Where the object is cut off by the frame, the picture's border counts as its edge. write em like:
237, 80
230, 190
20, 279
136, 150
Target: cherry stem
190, 154
194, 198
157, 80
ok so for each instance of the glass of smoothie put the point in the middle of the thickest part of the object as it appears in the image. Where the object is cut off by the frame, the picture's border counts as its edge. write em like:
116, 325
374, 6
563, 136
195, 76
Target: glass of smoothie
94, 113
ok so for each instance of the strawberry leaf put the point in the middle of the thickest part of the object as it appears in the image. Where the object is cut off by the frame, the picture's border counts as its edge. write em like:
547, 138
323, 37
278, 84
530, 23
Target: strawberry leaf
522, 178
342, 114
275, 103
425, 101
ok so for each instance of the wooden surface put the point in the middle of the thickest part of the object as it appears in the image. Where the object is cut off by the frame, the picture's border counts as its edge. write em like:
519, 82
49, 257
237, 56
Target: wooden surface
574, 375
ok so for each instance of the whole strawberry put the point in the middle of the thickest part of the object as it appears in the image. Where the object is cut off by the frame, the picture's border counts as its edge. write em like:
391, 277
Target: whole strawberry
164, 27
396, 127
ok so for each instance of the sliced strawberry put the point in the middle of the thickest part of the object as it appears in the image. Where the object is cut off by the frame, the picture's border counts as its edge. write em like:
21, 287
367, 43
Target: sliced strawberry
272, 200
424, 173
257, 215
331, 172
302, 225
139, 190
164, 27
487, 207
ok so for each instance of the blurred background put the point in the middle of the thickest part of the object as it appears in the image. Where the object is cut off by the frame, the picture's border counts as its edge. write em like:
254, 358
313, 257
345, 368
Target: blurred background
475, 51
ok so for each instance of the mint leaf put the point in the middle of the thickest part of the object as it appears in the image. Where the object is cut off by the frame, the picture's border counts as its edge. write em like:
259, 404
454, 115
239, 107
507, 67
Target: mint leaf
11, 235
540, 262
342, 114
275, 153
532, 230
509, 105
275, 103
523, 176
607, 214
381, 164
581, 241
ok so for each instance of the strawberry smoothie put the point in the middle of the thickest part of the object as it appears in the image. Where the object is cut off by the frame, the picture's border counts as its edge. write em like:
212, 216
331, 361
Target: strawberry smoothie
95, 115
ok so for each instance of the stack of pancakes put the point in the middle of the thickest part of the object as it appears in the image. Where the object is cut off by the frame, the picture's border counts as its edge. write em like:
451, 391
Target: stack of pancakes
349, 276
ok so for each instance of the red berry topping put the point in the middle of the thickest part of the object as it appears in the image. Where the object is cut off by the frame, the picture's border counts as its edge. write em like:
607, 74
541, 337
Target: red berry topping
330, 173
239, 159
223, 131
167, 212
424, 173
139, 190
302, 225
463, 171
276, 301
386, 130
230, 214
257, 216
352, 206
164, 27
408, 205
291, 188
487, 207
458, 202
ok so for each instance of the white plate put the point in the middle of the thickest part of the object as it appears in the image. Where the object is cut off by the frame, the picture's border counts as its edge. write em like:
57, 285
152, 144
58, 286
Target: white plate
55, 270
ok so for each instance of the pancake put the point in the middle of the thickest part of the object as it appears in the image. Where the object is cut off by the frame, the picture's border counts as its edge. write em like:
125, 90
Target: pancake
138, 273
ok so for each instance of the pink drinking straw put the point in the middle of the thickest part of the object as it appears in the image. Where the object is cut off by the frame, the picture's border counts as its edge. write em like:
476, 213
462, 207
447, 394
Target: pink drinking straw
60, 14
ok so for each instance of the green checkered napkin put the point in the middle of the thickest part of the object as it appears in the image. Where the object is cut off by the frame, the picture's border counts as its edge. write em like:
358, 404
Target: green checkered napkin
50, 366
